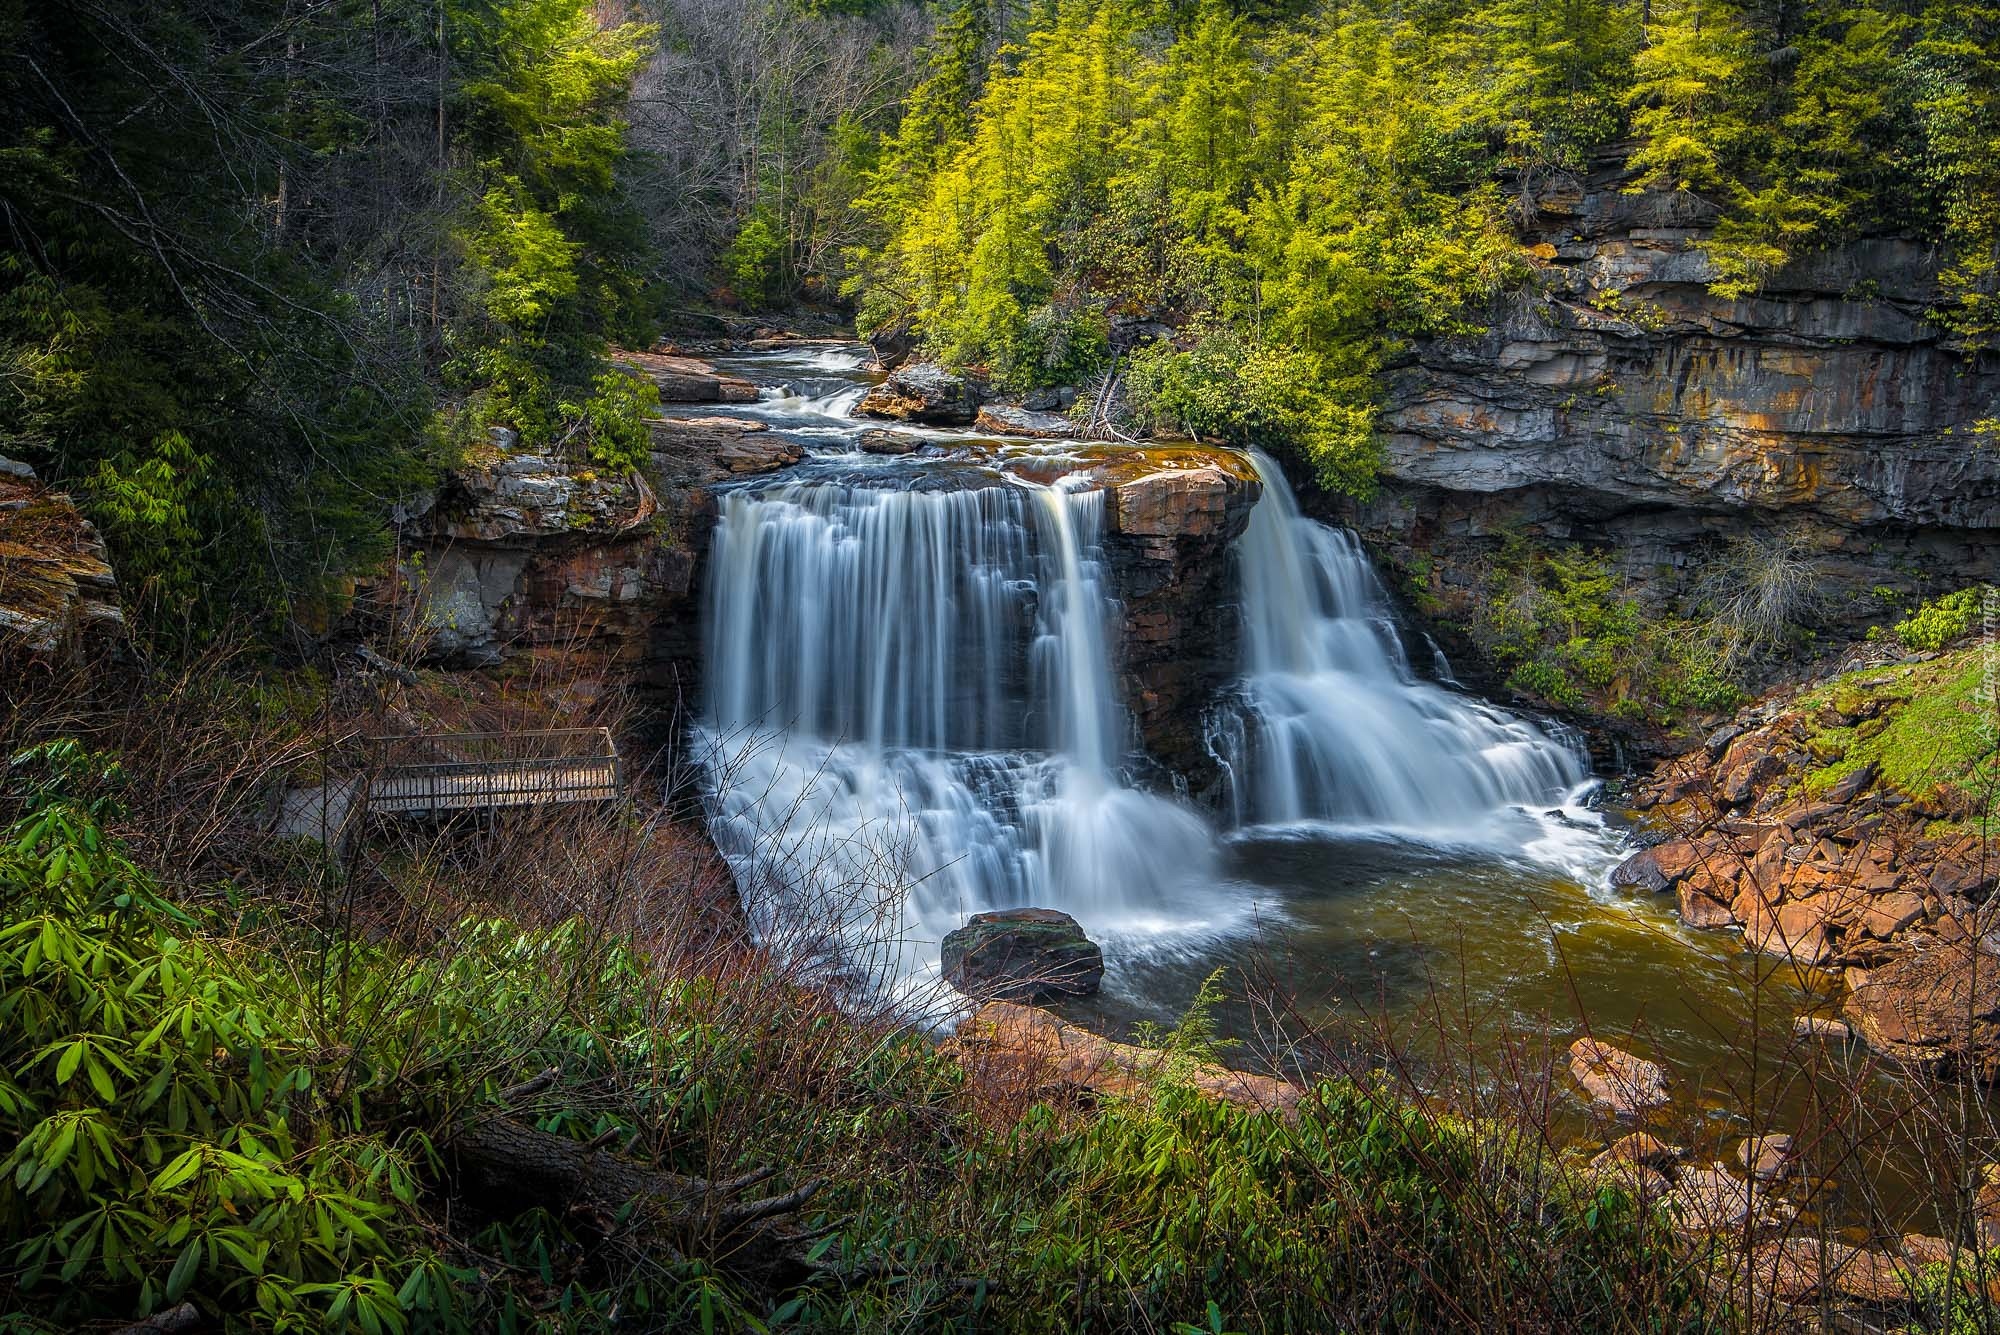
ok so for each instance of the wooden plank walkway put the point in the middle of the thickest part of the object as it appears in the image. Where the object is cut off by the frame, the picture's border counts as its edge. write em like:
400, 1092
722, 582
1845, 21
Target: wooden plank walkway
480, 771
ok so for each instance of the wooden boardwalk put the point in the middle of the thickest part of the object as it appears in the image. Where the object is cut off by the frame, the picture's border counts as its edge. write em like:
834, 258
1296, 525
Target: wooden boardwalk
422, 775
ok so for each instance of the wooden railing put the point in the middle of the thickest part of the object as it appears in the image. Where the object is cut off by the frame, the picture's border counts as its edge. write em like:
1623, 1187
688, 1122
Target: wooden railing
468, 771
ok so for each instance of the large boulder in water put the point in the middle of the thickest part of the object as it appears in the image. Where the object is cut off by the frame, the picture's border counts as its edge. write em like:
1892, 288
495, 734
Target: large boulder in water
1615, 1080
1006, 420
1025, 955
925, 392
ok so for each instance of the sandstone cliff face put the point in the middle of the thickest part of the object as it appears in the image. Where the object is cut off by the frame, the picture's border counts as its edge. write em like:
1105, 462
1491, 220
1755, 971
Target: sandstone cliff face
1171, 519
523, 554
1618, 401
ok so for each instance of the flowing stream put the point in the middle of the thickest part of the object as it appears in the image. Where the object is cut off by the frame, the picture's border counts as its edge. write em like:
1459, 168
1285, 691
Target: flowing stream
913, 710
913, 714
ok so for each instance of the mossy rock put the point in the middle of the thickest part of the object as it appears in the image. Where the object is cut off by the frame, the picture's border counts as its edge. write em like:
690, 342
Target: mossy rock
1025, 955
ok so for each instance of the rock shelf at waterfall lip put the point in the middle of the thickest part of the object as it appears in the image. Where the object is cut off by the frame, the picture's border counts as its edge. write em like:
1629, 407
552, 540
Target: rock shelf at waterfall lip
980, 462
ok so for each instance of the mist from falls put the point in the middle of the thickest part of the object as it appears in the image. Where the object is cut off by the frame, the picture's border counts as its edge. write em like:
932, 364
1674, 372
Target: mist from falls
1329, 722
912, 690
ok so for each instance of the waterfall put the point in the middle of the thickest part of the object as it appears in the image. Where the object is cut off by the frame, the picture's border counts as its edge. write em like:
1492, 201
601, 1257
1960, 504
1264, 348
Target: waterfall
912, 716
1329, 724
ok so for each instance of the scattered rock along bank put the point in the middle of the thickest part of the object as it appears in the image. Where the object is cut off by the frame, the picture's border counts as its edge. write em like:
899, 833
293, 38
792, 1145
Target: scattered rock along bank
1843, 826
1022, 1053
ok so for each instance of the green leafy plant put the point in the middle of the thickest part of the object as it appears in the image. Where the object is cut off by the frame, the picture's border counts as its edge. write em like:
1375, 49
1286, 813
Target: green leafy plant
1940, 621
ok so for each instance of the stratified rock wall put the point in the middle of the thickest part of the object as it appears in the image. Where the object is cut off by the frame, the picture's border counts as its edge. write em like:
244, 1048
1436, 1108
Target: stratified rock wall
524, 554
56, 583
1618, 401
1171, 519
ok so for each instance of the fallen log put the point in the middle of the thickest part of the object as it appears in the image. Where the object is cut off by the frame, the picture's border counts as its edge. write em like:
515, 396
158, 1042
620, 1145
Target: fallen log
502, 1165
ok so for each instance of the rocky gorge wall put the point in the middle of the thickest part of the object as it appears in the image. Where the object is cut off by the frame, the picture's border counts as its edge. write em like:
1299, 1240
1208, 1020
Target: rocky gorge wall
523, 555
1616, 401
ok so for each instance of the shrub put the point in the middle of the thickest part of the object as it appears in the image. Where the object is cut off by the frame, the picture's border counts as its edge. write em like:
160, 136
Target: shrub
1269, 397
1942, 620
755, 263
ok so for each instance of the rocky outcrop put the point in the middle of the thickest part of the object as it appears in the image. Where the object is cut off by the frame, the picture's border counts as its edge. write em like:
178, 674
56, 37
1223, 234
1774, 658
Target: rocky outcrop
1170, 519
56, 582
527, 554
1833, 827
1617, 401
924, 392
1028, 955
1018, 1050
688, 380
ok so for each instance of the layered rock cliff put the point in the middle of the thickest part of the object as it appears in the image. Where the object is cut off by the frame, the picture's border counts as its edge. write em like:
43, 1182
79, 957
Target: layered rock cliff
1616, 401
56, 582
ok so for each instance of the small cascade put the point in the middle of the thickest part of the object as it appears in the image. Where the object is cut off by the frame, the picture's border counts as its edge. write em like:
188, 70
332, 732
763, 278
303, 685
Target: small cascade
913, 717
1330, 725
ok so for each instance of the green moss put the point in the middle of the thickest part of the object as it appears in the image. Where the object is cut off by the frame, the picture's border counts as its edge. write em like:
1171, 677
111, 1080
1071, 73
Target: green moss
1930, 725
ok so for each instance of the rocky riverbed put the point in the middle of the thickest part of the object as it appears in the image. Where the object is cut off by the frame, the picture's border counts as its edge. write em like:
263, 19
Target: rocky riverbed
1843, 827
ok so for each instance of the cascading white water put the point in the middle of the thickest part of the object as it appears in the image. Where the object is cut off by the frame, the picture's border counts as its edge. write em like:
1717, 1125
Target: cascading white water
913, 717
1329, 724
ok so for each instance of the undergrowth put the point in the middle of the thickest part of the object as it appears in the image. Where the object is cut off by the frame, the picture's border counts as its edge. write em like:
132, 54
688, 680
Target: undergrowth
219, 1098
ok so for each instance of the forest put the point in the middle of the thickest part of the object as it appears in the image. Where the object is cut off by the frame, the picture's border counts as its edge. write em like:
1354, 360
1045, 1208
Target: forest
269, 263
360, 332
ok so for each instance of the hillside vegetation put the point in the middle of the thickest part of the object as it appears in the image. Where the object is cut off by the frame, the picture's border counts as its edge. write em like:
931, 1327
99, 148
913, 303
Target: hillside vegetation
295, 1113
1299, 191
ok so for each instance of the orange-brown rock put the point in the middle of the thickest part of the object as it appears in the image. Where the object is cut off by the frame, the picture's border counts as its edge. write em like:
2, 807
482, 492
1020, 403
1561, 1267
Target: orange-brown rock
1701, 904
56, 584
1797, 1269
1030, 1051
1616, 1081
1935, 1003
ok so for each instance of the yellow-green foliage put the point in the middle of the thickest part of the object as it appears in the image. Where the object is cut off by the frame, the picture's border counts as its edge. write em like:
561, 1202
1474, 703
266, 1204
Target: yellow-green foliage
1929, 725
1326, 188
1942, 620
1565, 628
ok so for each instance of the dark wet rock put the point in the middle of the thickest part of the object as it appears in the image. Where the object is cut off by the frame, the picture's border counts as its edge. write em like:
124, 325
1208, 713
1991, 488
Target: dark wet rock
1657, 869
1851, 786
1719, 740
1171, 519
1022, 955
923, 392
